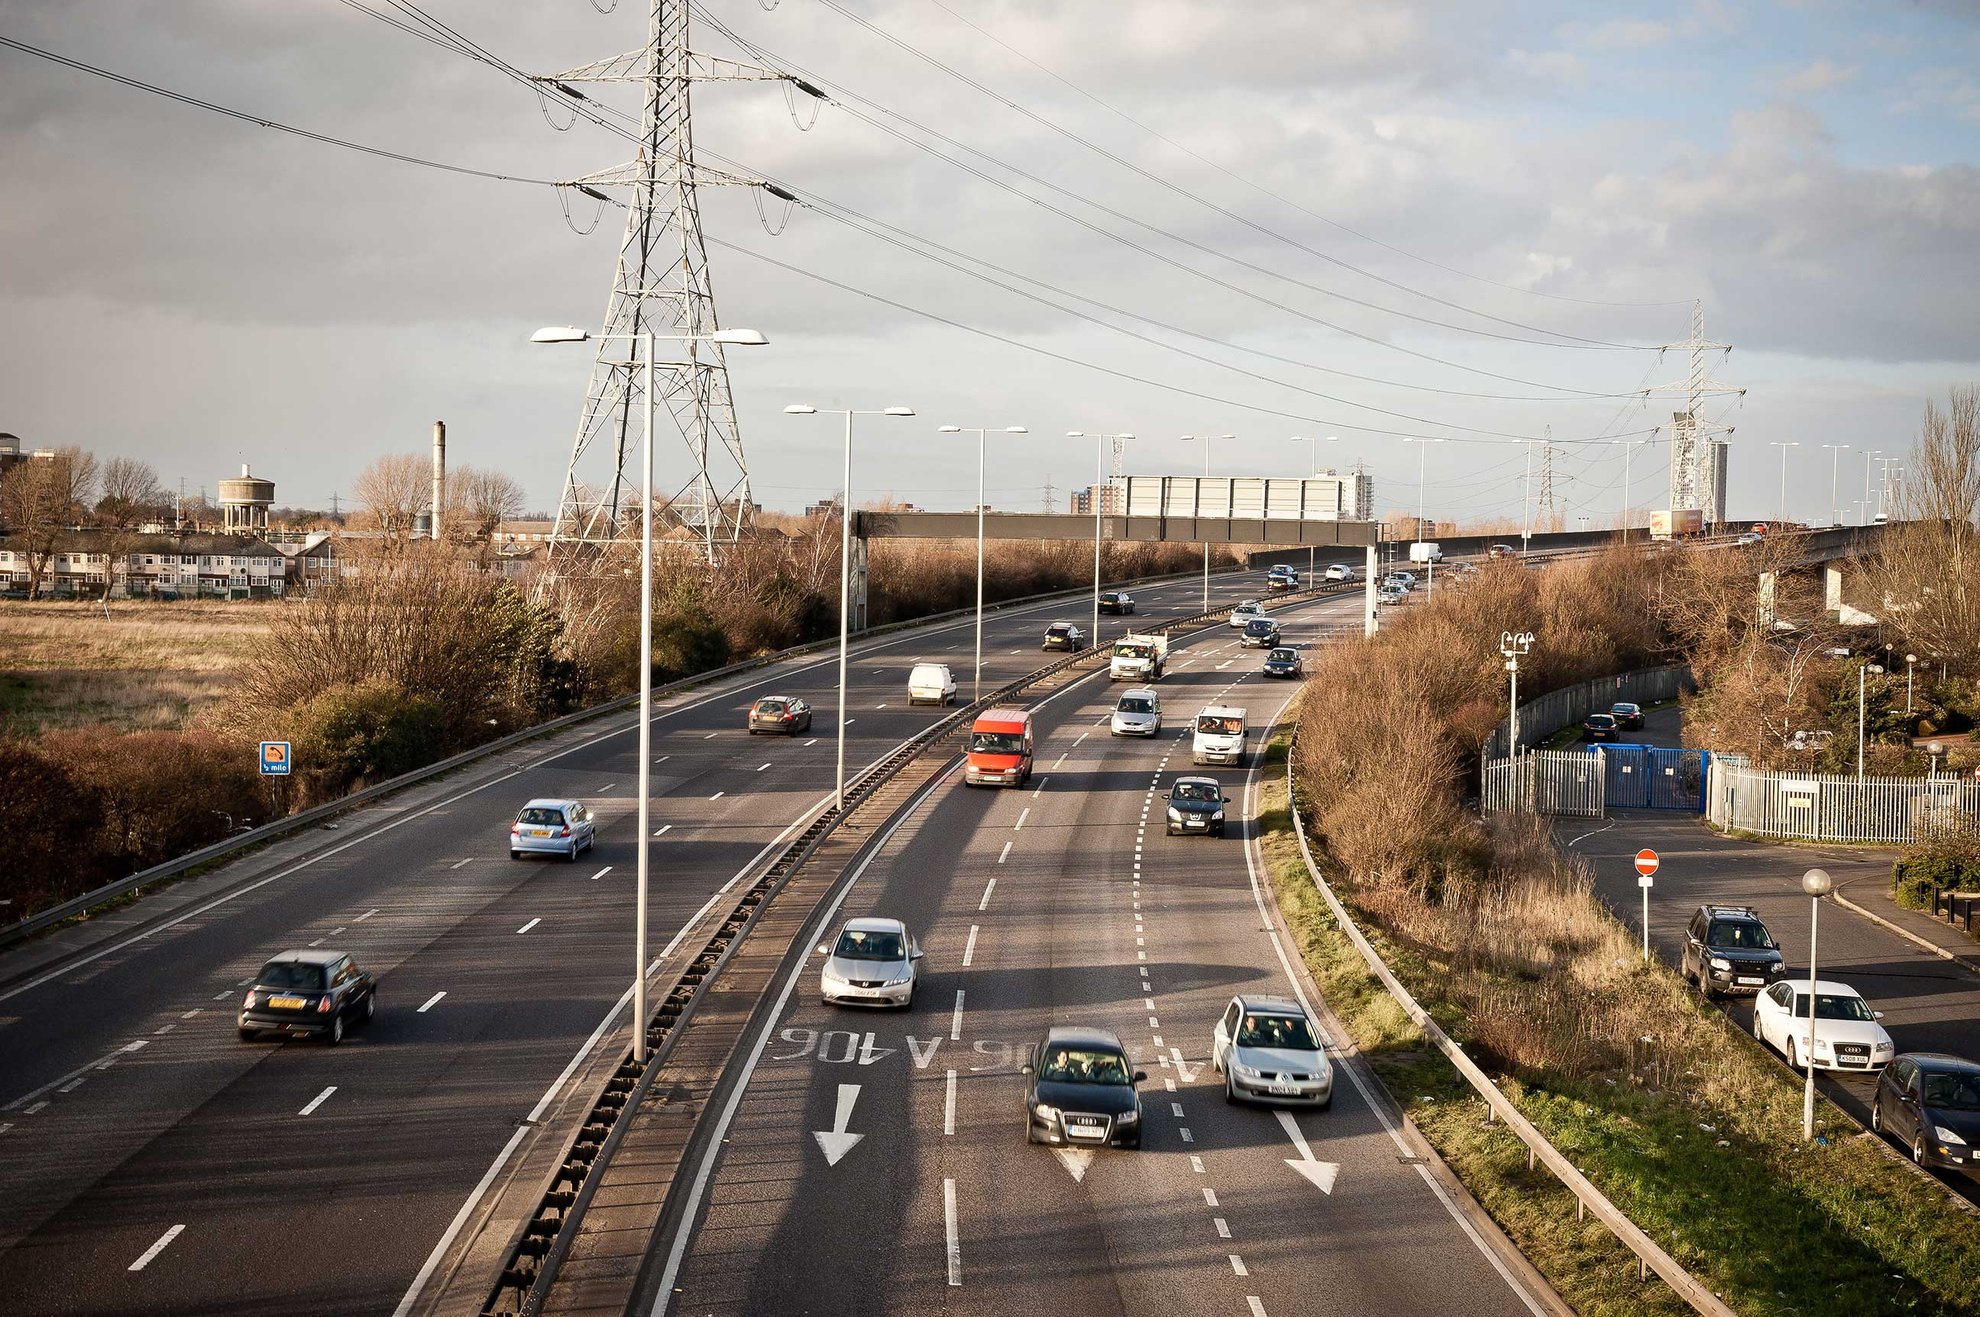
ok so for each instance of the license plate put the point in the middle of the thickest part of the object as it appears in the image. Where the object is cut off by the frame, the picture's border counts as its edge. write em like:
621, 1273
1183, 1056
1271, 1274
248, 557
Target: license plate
287, 1003
1282, 1090
539, 832
1747, 979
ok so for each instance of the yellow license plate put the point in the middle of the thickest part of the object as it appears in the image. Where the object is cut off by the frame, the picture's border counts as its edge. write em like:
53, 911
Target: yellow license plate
288, 1003
539, 832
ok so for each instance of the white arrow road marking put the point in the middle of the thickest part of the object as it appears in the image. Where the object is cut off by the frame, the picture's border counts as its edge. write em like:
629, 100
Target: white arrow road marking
1188, 1075
1320, 1173
1075, 1160
836, 1142
921, 1058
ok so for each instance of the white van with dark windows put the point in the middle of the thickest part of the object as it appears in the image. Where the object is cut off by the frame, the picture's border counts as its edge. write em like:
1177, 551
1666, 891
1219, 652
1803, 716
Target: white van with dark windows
1219, 736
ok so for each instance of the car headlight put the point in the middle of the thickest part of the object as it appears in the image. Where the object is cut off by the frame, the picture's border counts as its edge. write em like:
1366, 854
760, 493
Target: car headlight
831, 975
1127, 1117
1244, 1071
1821, 1044
1045, 1111
1175, 815
1218, 817
1879, 1049
895, 983
1720, 962
1948, 1136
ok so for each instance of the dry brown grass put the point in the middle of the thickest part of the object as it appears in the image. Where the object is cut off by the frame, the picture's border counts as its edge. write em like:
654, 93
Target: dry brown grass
133, 667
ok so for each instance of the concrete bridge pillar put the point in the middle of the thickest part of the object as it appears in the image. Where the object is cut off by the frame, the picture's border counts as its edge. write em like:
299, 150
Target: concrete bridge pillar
1769, 614
1832, 600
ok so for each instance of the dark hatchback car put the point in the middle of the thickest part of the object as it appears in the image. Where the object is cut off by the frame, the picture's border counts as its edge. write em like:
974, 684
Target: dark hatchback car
1930, 1103
1284, 662
306, 992
1628, 716
1259, 633
1064, 635
1196, 804
1119, 602
1081, 1091
1597, 727
779, 713
1728, 950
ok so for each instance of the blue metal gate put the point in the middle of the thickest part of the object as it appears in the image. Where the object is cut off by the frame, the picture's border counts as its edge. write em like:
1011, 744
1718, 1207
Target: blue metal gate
1653, 776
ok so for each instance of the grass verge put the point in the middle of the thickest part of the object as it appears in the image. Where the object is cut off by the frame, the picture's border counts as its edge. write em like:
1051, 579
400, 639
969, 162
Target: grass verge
1722, 1182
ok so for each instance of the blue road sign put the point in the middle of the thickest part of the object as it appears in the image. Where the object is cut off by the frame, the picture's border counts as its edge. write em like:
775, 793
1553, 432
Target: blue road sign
274, 758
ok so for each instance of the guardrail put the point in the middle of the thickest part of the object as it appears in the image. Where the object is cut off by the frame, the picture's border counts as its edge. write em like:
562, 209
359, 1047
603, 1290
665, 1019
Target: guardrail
1588, 1198
267, 832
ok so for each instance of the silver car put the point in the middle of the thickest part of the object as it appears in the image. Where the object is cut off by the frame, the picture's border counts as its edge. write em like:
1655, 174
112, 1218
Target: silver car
1245, 611
1268, 1051
871, 963
1138, 713
552, 827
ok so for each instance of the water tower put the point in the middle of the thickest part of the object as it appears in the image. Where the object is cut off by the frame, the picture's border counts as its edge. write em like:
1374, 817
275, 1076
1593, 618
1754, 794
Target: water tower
244, 502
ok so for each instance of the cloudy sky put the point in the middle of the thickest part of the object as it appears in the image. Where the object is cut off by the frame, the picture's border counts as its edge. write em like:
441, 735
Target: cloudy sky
1463, 219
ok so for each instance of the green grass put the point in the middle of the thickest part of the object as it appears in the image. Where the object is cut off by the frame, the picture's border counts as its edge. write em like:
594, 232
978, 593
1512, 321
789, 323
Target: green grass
1773, 1226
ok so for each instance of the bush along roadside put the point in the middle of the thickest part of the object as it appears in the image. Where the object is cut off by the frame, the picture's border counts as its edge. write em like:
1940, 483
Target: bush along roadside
1678, 1117
1943, 858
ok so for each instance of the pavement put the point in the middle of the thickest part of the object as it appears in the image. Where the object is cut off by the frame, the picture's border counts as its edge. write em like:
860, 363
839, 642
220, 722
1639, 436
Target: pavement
151, 1161
876, 1162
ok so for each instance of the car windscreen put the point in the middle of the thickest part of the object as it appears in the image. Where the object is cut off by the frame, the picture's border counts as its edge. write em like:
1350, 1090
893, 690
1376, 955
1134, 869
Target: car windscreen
291, 975
1209, 791
1220, 726
1140, 649
769, 706
1622, 710
1258, 626
1280, 656
859, 944
1288, 1031
1952, 1092
997, 743
541, 816
1135, 704
1741, 934
1830, 1006
1060, 630
1079, 1065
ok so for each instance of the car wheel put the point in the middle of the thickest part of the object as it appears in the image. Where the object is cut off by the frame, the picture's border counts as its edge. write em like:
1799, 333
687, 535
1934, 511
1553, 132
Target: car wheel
1030, 1129
1792, 1064
1759, 1032
1877, 1116
515, 855
1230, 1088
336, 1034
1918, 1148
370, 1004
570, 856
1133, 1144
249, 1035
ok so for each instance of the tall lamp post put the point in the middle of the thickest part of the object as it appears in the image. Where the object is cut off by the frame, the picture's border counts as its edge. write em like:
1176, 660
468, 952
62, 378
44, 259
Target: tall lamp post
845, 570
1312, 443
1629, 449
1205, 440
1784, 446
1910, 661
1099, 477
1868, 458
572, 334
1835, 474
1818, 884
1935, 749
1422, 449
976, 682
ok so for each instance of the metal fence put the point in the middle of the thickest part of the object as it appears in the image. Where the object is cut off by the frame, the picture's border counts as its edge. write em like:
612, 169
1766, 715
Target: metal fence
1567, 782
1540, 718
1834, 807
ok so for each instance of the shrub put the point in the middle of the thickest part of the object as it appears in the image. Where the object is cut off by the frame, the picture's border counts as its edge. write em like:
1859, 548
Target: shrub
50, 819
1945, 857
353, 734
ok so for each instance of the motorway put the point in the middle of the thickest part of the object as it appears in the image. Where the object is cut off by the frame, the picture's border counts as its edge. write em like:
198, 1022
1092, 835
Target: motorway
1064, 903
150, 1161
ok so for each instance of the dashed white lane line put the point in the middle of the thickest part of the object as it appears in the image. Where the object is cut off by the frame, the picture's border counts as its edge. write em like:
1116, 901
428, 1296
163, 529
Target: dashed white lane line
1223, 1227
100, 1063
955, 1236
1023, 814
711, 736
1060, 760
955, 1022
1196, 1164
1257, 1308
760, 769
1082, 737
430, 1002
189, 1014
458, 863
662, 828
317, 1101
1001, 857
1237, 1265
879, 706
1187, 1137
531, 924
1209, 1197
29, 1111
607, 787
949, 1104
607, 869
317, 943
1176, 1110
718, 795
814, 740
72, 1085
990, 887
166, 1028
222, 996
144, 1258
969, 947
1041, 786
663, 759
366, 915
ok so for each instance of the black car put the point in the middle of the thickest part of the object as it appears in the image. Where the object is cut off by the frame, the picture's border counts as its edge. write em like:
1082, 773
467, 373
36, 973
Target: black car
306, 992
1728, 950
1196, 804
1064, 635
1628, 716
779, 713
1116, 601
1259, 633
1284, 662
1082, 1091
1599, 727
1924, 1097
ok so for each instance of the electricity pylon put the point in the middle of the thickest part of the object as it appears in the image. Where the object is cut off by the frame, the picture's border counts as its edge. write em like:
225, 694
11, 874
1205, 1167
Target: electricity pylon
661, 288
1695, 475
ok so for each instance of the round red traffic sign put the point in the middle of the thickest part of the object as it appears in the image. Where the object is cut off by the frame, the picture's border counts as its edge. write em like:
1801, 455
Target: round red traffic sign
1646, 862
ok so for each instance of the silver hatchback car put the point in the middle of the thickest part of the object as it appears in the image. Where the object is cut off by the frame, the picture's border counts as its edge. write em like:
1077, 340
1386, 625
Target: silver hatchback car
871, 963
1268, 1051
1139, 713
552, 827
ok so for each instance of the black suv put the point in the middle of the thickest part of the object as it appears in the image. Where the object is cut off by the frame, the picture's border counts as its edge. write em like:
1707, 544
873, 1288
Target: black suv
1728, 950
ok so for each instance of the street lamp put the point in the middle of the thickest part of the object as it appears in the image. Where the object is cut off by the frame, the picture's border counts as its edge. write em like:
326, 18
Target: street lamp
1422, 449
1868, 458
845, 570
1935, 749
1629, 448
976, 683
1818, 884
645, 338
1312, 443
1205, 439
1835, 474
1910, 661
1784, 446
1099, 444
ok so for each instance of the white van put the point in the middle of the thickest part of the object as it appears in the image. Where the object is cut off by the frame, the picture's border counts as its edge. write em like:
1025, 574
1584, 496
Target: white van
1219, 735
931, 683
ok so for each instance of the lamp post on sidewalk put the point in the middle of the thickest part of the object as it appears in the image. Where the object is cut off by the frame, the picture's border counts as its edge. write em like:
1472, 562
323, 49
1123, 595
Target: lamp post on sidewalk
976, 681
1862, 710
1910, 661
571, 334
845, 570
1818, 884
1099, 501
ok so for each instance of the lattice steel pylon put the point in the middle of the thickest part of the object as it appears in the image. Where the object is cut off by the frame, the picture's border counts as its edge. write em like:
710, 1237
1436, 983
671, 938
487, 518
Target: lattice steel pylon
1694, 479
661, 287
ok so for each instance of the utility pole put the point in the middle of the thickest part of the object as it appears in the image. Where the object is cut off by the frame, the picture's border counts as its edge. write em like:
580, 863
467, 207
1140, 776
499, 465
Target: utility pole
1835, 474
1051, 495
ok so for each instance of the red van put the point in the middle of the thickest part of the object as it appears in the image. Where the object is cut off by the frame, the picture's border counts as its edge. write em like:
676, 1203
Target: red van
999, 749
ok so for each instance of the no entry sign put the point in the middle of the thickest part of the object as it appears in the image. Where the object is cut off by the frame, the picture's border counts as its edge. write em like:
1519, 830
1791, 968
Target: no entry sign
1646, 862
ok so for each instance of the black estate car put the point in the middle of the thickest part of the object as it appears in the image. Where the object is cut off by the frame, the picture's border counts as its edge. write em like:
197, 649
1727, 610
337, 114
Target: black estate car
1597, 727
1116, 601
305, 992
1930, 1103
1196, 804
1064, 635
1082, 1091
1728, 950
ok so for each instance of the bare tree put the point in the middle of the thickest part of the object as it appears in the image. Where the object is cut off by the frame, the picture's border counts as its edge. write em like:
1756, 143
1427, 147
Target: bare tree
393, 490
131, 493
1925, 578
477, 502
40, 499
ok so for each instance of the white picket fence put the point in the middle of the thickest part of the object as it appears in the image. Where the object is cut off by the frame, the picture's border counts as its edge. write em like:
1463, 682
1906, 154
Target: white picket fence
1831, 806
1564, 782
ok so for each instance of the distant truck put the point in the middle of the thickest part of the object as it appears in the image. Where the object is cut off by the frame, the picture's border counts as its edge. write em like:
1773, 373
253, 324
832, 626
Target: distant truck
1426, 551
1666, 524
1138, 658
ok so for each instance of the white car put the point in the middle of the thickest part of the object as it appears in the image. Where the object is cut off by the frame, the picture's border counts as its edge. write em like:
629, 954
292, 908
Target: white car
871, 963
1267, 1050
1245, 611
1847, 1035
1138, 713
1339, 571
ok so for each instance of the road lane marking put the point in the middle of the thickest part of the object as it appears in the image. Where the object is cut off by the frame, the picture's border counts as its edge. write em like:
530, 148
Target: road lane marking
949, 1104
366, 915
36, 1107
1237, 1265
1196, 1164
879, 706
711, 736
1040, 787
1175, 1109
1022, 815
607, 869
1082, 737
1223, 1227
189, 1014
762, 767
1257, 1308
100, 1063
222, 996
318, 1100
458, 863
991, 886
663, 827
955, 1022
431, 1002
1209, 1197
955, 1237
336, 931
1001, 857
718, 795
1187, 1137
144, 1258
813, 741
607, 787
969, 948
73, 1084
836, 1142
531, 924
663, 759
317, 943
166, 1028
1060, 760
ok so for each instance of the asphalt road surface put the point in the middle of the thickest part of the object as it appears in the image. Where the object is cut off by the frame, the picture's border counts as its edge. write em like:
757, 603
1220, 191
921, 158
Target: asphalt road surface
876, 1162
152, 1162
